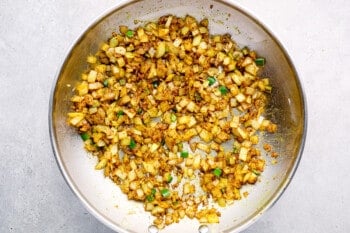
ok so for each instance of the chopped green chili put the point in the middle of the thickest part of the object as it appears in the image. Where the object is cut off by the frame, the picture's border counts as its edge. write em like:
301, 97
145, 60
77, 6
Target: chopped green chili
132, 144
170, 178
120, 113
260, 61
150, 198
211, 80
85, 136
217, 172
165, 192
184, 154
129, 33
223, 90
153, 191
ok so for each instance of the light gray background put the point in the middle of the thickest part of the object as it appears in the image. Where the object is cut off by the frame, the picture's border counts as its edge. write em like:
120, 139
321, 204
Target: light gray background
34, 38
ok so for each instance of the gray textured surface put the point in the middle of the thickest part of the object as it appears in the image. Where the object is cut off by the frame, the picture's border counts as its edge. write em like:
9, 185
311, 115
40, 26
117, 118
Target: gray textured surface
35, 36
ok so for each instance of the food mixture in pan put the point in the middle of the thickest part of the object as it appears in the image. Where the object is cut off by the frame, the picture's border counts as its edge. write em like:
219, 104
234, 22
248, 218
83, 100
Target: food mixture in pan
173, 114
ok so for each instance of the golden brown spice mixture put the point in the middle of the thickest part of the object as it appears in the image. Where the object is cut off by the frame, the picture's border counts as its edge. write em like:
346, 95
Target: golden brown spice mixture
156, 107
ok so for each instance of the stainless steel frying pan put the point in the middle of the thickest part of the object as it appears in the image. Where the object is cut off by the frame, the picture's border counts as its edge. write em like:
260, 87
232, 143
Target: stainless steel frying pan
287, 107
